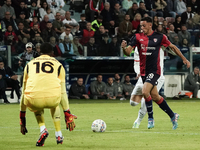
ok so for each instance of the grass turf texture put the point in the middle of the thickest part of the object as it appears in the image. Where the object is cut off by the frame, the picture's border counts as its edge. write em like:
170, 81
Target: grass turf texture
119, 117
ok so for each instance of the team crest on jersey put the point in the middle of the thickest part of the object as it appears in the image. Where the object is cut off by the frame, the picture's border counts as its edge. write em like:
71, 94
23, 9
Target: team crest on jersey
155, 40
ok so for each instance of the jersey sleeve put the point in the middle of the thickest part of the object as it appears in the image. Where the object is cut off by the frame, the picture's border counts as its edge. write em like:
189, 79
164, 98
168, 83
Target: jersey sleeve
165, 42
61, 73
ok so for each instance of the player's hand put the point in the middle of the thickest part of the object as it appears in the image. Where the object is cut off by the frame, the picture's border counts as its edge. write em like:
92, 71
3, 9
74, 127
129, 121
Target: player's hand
23, 129
69, 119
187, 63
123, 44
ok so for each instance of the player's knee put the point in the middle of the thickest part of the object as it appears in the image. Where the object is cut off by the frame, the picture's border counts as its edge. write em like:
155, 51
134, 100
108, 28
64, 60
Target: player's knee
145, 93
155, 97
133, 103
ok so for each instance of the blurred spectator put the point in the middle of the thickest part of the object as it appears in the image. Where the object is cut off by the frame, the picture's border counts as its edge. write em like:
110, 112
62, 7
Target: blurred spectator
66, 33
34, 31
43, 9
126, 4
150, 7
184, 34
66, 47
7, 8
22, 18
49, 32
165, 26
98, 88
180, 6
111, 90
7, 20
76, 31
99, 35
114, 47
97, 23
78, 48
186, 15
93, 9
172, 33
23, 9
70, 22
125, 28
160, 29
119, 85
78, 90
195, 6
34, 11
196, 18
127, 87
10, 38
136, 21
133, 11
37, 48
155, 23
160, 7
170, 8
22, 33
20, 46
177, 24
35, 21
176, 41
108, 21
82, 23
58, 24
37, 39
192, 82
104, 47
87, 33
56, 49
92, 48
190, 24
27, 56
185, 43
56, 6
50, 15
142, 9
118, 14
43, 23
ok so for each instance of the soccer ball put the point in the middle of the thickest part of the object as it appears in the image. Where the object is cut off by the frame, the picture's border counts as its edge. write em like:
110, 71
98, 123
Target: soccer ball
98, 126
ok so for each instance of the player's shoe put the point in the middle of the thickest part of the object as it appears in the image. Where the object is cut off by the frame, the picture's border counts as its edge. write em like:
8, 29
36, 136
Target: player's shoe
174, 121
43, 135
59, 140
136, 125
150, 123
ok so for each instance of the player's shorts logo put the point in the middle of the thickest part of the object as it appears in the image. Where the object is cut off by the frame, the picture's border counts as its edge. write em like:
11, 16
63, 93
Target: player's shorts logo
155, 40
150, 76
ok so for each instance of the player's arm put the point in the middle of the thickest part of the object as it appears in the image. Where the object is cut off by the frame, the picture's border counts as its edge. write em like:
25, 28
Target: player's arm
126, 49
69, 118
178, 52
23, 129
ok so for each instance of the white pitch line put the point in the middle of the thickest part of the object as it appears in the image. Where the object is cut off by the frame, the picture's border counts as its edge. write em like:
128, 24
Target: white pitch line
174, 132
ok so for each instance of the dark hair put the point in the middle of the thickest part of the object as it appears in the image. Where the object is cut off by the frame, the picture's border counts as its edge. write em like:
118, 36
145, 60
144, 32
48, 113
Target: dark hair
1, 60
126, 75
99, 75
147, 19
46, 48
83, 15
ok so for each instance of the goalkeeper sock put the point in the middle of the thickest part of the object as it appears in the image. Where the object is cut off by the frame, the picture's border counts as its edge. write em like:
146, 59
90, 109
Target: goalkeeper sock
163, 105
58, 133
55, 113
42, 128
39, 115
149, 106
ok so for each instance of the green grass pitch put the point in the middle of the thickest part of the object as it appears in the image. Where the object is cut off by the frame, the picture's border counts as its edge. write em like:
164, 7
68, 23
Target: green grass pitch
119, 135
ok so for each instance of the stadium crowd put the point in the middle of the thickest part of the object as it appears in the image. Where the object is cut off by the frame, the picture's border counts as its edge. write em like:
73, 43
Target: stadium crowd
101, 28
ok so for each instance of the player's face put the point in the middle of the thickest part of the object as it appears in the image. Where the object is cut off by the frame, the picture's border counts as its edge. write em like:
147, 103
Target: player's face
196, 71
80, 81
145, 27
117, 77
110, 81
127, 79
1, 65
99, 78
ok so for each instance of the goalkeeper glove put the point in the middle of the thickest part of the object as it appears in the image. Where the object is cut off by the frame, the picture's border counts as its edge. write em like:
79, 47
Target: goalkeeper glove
23, 122
69, 119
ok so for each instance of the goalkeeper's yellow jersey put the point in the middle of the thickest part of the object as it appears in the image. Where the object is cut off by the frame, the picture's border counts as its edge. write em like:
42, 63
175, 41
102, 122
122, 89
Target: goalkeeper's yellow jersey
42, 78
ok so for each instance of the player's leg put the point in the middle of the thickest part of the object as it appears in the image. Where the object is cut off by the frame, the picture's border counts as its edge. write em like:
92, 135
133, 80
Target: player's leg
39, 115
164, 106
55, 113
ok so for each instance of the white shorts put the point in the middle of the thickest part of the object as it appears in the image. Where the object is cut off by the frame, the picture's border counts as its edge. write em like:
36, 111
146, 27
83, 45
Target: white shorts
139, 85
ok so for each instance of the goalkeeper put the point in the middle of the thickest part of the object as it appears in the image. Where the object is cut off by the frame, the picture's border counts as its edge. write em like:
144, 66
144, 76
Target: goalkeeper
44, 87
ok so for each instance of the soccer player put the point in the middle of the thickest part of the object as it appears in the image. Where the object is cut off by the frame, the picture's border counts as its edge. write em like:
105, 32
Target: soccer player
149, 44
44, 87
138, 88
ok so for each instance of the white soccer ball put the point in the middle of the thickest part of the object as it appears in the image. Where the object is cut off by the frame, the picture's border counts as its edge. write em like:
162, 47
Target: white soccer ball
98, 126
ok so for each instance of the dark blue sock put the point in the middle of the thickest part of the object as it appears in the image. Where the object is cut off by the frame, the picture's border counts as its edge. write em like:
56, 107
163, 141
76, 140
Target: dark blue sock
148, 102
163, 105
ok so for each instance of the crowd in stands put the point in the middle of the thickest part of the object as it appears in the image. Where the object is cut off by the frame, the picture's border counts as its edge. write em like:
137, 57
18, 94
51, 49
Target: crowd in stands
101, 28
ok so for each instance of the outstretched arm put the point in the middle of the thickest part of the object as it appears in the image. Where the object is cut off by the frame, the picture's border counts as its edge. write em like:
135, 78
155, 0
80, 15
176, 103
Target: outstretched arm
178, 52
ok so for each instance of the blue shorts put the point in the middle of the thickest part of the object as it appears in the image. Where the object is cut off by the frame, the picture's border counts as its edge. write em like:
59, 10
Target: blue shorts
151, 78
